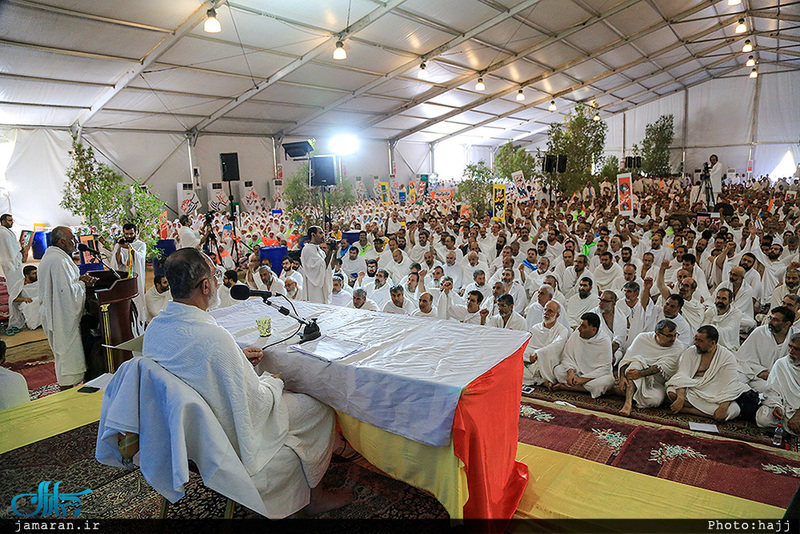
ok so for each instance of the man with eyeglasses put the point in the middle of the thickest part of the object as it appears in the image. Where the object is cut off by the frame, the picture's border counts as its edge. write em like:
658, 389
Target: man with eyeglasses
285, 440
707, 380
726, 319
670, 310
781, 404
650, 361
764, 346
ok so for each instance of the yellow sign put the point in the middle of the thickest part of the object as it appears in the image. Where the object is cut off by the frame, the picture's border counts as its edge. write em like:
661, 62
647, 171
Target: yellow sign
385, 198
499, 202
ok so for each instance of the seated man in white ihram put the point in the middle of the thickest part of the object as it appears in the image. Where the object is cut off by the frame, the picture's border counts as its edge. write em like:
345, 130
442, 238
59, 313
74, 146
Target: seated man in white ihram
781, 404
543, 352
285, 440
24, 296
650, 361
707, 380
586, 361
157, 297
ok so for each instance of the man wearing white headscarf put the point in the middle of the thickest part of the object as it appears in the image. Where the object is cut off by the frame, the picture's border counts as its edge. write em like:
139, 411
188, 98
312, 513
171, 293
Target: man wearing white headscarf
544, 349
650, 361
586, 361
11, 262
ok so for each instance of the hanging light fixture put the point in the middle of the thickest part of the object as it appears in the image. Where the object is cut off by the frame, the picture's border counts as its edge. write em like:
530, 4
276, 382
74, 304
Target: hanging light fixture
748, 47
520, 96
423, 71
480, 86
754, 73
741, 27
734, 2
751, 62
211, 24
552, 107
339, 52
596, 117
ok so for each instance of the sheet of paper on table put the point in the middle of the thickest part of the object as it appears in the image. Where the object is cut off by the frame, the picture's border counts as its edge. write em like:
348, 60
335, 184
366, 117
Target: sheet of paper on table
704, 427
101, 382
328, 348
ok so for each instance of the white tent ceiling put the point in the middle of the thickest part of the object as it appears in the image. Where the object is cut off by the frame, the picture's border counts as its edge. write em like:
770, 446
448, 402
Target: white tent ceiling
148, 65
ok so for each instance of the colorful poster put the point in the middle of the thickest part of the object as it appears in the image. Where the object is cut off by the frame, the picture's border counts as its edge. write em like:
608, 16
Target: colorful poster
188, 201
791, 195
422, 187
163, 226
499, 202
401, 196
412, 192
464, 210
280, 172
441, 194
624, 194
385, 198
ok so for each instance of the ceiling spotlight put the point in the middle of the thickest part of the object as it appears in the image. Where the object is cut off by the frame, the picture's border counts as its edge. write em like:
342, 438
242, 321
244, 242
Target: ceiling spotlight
596, 117
212, 24
480, 86
754, 73
552, 106
520, 96
339, 52
741, 27
734, 2
748, 47
751, 62
423, 71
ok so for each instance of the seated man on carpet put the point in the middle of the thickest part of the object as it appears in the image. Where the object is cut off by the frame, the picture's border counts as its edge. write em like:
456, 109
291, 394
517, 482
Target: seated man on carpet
707, 380
13, 386
781, 404
24, 296
764, 346
586, 361
543, 352
650, 361
285, 440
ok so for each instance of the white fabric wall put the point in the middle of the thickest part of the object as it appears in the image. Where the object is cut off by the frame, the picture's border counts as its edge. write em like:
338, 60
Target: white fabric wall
720, 121
35, 178
411, 159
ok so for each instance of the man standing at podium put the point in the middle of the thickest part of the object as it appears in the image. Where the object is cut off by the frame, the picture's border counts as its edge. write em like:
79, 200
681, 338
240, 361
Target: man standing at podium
63, 293
317, 282
130, 256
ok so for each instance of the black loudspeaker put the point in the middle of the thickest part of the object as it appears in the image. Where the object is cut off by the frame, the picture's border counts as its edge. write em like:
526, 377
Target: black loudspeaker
230, 166
637, 162
628, 162
323, 170
562, 163
549, 163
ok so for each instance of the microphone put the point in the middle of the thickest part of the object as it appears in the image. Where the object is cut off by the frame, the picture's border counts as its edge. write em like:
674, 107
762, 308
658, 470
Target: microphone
83, 247
311, 330
242, 292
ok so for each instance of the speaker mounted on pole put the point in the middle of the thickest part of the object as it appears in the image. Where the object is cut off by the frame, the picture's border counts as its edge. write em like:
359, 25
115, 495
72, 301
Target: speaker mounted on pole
229, 163
323, 171
562, 163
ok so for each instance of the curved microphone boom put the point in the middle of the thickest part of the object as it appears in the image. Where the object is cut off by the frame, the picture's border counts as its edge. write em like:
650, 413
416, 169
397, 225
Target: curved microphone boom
83, 247
242, 292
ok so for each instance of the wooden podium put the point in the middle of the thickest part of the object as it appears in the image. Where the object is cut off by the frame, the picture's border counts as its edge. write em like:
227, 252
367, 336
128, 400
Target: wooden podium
111, 302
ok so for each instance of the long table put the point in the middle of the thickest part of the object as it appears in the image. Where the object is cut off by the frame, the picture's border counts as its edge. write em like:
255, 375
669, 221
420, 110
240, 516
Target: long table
433, 403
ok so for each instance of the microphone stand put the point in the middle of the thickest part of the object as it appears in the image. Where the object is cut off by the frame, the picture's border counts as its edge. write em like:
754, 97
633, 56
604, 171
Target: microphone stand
95, 254
311, 330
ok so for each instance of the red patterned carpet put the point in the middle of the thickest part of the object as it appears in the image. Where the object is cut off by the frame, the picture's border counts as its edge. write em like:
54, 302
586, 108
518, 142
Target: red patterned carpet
38, 373
728, 467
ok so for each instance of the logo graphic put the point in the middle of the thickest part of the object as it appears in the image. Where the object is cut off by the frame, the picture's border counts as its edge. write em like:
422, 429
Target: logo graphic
47, 503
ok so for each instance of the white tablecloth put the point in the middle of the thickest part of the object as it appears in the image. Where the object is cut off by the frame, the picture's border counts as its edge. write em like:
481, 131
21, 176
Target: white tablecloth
407, 380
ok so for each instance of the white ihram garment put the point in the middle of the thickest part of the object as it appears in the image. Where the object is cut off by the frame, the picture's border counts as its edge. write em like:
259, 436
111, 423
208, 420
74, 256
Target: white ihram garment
643, 353
589, 358
547, 344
